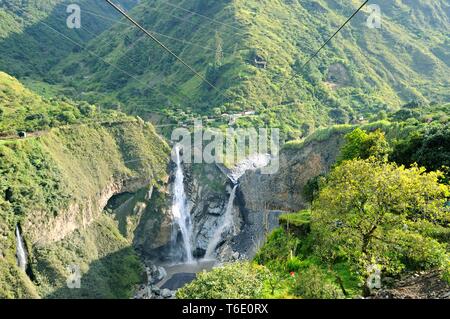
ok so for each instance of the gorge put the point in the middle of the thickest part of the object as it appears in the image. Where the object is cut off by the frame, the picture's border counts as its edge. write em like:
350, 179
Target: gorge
199, 217
95, 187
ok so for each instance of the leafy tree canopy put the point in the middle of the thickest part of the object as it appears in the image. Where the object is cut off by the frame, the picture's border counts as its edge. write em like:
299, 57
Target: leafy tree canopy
233, 281
371, 212
360, 144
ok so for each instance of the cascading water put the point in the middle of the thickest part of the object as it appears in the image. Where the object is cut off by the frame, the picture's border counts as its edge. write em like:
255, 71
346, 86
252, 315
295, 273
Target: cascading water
20, 251
180, 213
226, 225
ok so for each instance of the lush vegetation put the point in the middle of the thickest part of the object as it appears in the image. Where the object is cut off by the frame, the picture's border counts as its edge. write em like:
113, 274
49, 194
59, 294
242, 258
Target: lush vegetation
30, 48
373, 212
47, 177
364, 71
233, 281
108, 265
384, 205
367, 214
24, 110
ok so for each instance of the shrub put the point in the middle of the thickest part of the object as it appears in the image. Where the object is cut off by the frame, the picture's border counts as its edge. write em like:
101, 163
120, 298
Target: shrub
277, 250
297, 224
232, 281
314, 284
67, 117
293, 264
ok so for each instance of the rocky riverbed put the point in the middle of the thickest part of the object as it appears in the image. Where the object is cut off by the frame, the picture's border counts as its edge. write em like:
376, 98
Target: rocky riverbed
164, 281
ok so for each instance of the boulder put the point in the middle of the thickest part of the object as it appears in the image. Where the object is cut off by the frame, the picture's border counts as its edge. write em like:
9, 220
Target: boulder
156, 290
166, 293
161, 274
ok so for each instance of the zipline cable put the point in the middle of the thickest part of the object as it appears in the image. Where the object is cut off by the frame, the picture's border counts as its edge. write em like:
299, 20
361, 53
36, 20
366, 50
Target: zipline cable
200, 15
326, 42
154, 32
162, 45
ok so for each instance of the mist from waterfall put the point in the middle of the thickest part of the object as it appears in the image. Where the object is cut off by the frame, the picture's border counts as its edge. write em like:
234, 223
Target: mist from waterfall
20, 251
181, 215
226, 225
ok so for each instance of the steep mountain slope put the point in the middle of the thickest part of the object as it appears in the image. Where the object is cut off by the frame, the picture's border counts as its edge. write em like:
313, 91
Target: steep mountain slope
29, 48
362, 71
55, 186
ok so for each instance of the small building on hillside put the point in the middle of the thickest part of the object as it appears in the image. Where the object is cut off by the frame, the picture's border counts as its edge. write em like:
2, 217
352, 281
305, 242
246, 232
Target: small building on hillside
22, 134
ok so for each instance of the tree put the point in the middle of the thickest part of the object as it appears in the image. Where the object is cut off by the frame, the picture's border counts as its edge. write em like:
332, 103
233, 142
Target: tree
405, 114
67, 117
370, 211
339, 115
435, 149
86, 109
212, 74
232, 281
381, 115
360, 144
307, 128
311, 188
430, 149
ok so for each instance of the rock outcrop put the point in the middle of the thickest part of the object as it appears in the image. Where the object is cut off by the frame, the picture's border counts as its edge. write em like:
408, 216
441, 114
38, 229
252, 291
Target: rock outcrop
283, 191
422, 285
42, 231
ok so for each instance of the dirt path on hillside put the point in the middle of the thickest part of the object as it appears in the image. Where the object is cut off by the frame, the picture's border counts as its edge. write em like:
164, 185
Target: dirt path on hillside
16, 137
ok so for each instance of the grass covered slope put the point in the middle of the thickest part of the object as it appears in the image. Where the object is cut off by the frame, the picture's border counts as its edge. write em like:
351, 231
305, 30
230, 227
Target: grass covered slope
24, 110
55, 187
29, 48
362, 71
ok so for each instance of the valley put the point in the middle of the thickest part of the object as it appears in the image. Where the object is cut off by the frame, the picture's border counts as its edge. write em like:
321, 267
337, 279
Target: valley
124, 175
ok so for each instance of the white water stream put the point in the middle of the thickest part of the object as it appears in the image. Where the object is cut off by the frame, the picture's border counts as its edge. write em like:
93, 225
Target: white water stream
180, 212
20, 251
226, 225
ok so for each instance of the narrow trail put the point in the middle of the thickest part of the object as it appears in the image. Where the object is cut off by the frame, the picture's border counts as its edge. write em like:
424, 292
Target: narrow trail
34, 134
14, 137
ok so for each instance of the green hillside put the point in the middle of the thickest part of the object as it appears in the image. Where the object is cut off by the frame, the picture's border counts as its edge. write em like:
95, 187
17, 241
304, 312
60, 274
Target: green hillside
86, 179
24, 110
53, 185
363, 71
29, 48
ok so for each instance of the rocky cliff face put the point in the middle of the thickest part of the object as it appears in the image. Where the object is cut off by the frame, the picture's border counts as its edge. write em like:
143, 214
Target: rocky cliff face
207, 191
259, 200
41, 230
56, 187
283, 191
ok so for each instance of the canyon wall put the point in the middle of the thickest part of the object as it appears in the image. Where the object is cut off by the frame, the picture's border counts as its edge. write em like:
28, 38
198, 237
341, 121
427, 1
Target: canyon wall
57, 186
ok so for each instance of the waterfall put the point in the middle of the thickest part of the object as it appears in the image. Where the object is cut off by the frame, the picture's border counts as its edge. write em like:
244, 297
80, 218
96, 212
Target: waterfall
226, 225
253, 162
20, 251
180, 212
